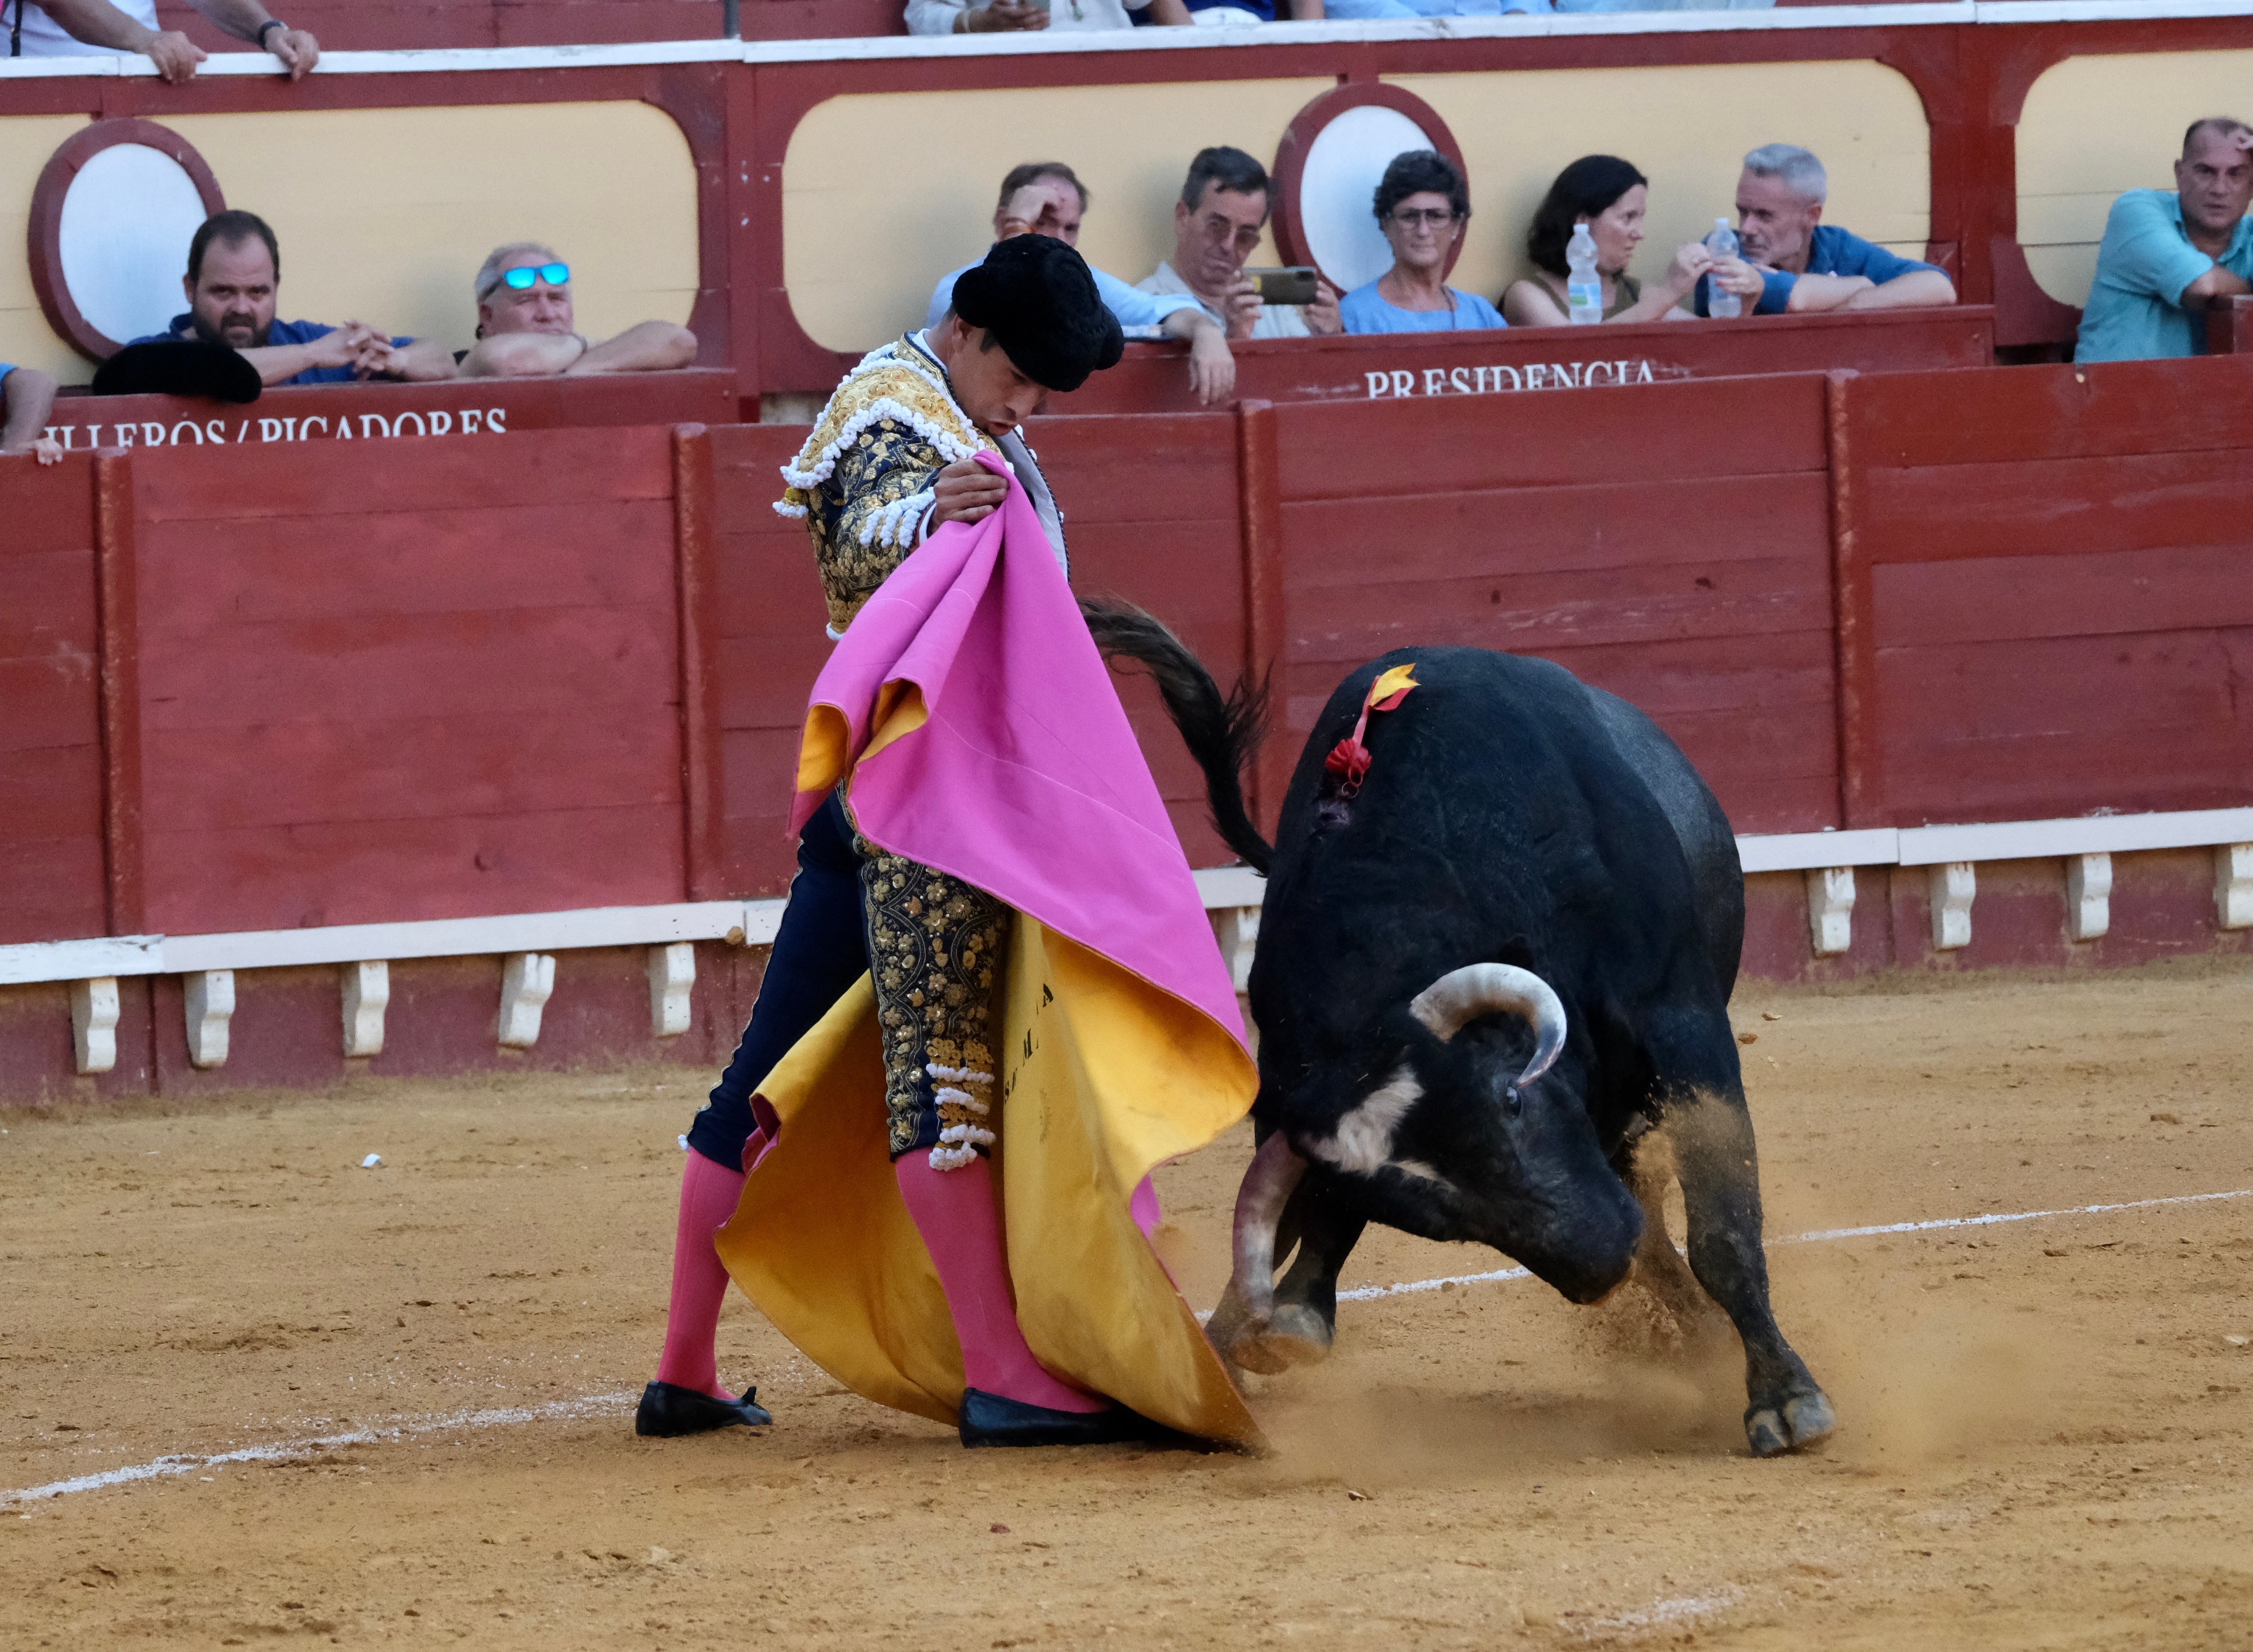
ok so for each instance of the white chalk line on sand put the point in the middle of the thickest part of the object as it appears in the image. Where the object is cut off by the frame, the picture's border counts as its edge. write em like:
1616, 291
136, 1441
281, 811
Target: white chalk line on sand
1370, 1293
604, 1404
292, 1450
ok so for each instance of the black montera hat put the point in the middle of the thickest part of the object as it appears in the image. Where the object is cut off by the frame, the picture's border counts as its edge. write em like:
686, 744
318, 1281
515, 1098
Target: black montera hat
178, 367
1034, 293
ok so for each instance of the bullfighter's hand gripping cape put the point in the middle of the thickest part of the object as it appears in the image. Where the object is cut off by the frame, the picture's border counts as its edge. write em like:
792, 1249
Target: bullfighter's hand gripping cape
978, 731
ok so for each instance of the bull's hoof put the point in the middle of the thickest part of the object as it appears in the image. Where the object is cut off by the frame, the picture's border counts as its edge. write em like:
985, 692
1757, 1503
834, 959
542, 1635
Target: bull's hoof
1295, 1335
1803, 1420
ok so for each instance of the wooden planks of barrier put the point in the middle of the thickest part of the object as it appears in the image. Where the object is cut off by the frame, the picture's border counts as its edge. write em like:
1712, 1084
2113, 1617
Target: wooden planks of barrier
1154, 378
406, 682
2056, 590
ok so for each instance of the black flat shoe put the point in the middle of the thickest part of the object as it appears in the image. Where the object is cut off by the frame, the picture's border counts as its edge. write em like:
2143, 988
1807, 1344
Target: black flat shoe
668, 1411
990, 1419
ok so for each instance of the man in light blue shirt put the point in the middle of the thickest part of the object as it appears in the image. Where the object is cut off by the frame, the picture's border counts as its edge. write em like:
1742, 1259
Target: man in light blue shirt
2164, 255
1045, 198
1807, 266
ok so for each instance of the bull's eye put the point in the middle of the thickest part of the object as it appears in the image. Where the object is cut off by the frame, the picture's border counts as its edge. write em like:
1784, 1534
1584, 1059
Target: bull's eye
1512, 1102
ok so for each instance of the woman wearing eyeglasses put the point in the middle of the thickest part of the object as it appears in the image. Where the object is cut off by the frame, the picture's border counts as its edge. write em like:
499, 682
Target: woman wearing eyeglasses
526, 330
1421, 206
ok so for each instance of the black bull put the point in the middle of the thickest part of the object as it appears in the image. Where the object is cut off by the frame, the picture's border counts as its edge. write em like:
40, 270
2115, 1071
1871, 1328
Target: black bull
1489, 981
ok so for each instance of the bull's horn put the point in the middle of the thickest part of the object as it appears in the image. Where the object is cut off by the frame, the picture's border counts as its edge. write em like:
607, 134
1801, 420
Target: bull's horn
1462, 995
1267, 1187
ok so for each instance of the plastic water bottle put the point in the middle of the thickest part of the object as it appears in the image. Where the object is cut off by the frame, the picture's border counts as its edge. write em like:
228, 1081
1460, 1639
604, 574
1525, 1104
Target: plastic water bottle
1722, 243
1584, 288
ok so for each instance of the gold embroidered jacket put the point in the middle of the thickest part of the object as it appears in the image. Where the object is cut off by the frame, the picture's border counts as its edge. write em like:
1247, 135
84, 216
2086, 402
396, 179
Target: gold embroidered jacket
863, 480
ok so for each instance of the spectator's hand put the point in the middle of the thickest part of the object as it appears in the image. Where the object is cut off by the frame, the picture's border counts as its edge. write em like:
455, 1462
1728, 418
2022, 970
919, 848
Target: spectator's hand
1735, 275
1690, 261
174, 56
1001, 16
966, 491
1242, 307
49, 450
1040, 206
1323, 318
1212, 369
299, 51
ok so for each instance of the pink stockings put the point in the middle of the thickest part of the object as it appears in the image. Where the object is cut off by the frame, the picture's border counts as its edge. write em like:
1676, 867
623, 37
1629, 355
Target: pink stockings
708, 1193
953, 1210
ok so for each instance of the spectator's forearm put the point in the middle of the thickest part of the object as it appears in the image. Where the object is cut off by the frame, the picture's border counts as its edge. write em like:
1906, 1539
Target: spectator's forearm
1811, 294
422, 362
2215, 283
241, 18
1920, 288
652, 347
98, 23
29, 397
278, 362
1170, 14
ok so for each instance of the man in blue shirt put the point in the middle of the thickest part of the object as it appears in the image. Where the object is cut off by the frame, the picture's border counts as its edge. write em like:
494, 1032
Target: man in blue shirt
1045, 198
235, 272
2164, 255
1808, 266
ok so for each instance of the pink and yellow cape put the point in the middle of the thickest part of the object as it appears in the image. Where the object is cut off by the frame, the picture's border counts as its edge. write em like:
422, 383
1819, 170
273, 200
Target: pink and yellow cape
980, 733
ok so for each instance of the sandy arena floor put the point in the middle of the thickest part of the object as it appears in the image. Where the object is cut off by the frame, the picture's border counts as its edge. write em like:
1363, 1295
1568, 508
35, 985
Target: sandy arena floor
2047, 1427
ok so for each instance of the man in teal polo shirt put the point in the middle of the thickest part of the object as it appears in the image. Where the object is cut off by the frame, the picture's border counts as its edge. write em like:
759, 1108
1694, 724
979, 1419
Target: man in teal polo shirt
2164, 255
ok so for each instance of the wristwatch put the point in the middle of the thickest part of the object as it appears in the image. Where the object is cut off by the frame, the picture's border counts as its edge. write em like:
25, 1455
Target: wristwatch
270, 23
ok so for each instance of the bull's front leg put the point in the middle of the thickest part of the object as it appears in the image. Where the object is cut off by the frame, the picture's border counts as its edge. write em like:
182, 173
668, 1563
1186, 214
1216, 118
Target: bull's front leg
1712, 1132
1701, 1094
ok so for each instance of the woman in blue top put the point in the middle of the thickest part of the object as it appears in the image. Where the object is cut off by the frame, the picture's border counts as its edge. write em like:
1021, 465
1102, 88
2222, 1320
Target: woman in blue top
1421, 206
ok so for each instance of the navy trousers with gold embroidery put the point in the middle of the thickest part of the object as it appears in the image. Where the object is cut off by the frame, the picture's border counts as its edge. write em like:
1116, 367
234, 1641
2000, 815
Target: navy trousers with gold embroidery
934, 946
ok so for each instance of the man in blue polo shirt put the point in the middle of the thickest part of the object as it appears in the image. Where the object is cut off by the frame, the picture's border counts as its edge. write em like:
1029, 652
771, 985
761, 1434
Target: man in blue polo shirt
234, 274
2165, 254
1806, 265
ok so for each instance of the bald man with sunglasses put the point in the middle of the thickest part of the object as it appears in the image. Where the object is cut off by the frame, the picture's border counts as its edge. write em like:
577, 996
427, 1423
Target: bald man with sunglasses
526, 329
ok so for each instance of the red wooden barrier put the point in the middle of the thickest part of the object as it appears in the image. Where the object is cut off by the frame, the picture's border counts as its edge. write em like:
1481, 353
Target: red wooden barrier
1669, 544
1155, 378
2230, 326
346, 414
410, 680
51, 745
2048, 567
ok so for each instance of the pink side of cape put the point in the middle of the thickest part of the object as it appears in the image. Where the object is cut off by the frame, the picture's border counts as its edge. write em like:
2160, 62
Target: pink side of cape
1026, 780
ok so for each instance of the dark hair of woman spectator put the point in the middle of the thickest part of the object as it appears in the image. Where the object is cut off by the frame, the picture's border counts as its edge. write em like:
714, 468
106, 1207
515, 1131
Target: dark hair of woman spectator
1585, 189
1611, 198
1416, 171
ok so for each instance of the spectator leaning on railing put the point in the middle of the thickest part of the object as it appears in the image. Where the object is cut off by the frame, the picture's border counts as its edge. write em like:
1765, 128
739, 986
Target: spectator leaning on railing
27, 396
2165, 255
959, 17
234, 279
91, 28
1807, 265
526, 330
1216, 225
1046, 198
1422, 204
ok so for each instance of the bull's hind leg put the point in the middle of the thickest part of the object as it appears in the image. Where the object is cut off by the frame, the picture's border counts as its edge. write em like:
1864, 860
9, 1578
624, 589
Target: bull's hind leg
1702, 1099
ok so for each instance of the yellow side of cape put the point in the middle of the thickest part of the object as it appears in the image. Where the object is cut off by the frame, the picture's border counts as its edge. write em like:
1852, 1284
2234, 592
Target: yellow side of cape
1104, 1077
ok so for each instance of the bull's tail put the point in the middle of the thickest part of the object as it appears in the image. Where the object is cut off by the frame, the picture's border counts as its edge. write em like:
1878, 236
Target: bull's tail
1221, 732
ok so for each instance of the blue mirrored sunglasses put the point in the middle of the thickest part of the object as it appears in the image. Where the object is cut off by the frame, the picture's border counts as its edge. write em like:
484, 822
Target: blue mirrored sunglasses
554, 274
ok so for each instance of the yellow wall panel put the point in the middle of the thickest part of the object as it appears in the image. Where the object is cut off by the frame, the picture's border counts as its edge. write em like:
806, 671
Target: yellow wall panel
384, 214
1686, 127
26, 141
883, 193
2095, 126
